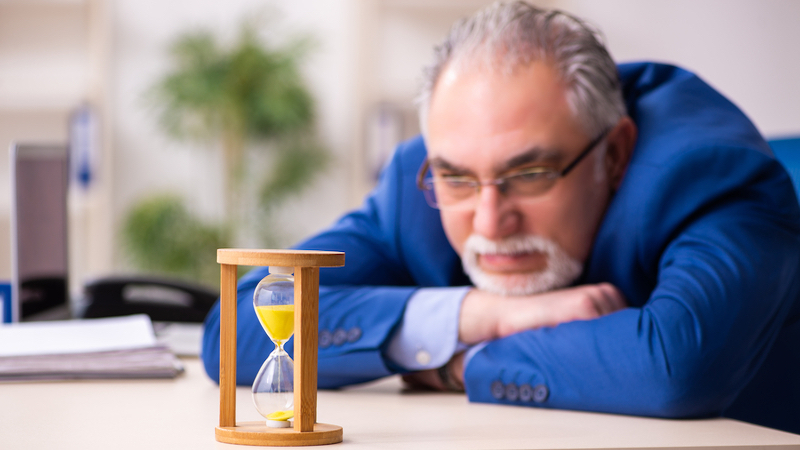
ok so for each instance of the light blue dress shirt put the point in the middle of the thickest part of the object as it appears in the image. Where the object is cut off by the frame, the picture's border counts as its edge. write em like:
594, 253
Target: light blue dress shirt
421, 342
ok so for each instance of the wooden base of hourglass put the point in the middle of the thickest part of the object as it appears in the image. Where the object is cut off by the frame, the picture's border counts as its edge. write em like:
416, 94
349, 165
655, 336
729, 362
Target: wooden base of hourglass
306, 430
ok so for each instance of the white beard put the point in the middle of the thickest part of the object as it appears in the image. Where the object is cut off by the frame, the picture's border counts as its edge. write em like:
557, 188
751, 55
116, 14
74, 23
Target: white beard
560, 272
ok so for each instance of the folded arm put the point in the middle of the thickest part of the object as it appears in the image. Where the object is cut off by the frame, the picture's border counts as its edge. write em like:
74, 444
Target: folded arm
724, 290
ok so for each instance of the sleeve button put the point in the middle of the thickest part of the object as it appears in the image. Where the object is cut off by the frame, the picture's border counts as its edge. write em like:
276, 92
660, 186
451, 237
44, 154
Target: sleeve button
325, 339
540, 393
498, 390
339, 337
512, 392
354, 334
525, 393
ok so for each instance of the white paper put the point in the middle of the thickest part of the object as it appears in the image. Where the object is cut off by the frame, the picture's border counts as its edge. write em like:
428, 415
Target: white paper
182, 338
76, 336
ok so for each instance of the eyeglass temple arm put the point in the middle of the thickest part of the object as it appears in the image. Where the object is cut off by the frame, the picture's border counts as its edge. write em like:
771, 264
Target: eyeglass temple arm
585, 152
421, 175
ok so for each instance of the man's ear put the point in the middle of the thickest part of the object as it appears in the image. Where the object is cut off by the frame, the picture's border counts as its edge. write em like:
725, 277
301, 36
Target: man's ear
619, 148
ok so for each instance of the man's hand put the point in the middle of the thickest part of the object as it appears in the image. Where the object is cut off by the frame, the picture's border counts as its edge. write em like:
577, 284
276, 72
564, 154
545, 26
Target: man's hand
424, 379
486, 316
431, 379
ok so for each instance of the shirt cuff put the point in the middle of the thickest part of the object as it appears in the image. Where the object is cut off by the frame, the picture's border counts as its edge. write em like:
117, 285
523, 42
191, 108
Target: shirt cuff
428, 335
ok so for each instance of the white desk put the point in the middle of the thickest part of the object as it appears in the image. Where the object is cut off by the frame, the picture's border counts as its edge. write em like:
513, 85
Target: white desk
182, 414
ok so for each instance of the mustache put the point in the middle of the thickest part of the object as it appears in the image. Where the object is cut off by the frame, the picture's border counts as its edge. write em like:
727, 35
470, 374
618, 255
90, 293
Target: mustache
561, 269
514, 245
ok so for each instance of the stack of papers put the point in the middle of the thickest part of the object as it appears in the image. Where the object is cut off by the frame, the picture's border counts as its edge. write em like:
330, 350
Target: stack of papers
117, 347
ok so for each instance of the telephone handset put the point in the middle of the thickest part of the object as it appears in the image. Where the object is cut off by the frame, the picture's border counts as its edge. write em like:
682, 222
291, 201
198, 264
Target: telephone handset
164, 300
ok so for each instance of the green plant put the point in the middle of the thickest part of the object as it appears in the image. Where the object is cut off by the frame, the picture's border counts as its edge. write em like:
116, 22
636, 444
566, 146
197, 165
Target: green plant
246, 96
243, 92
162, 236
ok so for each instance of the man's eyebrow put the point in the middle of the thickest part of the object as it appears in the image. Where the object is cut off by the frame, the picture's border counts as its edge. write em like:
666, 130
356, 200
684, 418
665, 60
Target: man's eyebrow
442, 164
532, 155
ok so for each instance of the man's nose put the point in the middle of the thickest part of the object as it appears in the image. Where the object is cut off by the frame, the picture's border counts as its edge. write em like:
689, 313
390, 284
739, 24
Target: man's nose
495, 217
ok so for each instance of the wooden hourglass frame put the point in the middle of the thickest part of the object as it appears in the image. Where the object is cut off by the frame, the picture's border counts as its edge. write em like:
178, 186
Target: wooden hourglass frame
306, 430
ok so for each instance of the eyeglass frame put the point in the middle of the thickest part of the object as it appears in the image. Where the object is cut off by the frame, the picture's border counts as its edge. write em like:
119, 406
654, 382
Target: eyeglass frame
499, 181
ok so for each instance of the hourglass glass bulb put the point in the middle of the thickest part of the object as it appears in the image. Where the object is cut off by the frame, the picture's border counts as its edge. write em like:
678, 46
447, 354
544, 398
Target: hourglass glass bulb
273, 301
273, 389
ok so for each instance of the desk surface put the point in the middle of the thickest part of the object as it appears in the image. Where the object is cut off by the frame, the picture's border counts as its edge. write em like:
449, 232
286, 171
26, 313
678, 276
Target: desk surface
182, 413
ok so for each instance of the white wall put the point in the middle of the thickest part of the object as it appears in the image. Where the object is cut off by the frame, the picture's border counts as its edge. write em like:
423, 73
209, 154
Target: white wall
747, 49
370, 51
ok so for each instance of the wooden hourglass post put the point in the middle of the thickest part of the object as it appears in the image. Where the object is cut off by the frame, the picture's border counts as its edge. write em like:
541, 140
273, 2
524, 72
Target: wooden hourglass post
306, 430
306, 323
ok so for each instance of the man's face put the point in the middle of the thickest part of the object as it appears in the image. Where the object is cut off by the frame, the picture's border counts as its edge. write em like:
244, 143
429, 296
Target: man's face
486, 125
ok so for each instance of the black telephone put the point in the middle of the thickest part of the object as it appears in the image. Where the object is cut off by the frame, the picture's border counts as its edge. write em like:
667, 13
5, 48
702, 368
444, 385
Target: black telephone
164, 300
40, 183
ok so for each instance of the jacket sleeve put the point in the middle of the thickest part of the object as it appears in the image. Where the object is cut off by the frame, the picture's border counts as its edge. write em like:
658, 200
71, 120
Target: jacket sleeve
360, 304
726, 282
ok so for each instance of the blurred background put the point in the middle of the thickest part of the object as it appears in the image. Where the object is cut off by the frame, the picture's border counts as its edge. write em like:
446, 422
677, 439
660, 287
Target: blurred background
97, 73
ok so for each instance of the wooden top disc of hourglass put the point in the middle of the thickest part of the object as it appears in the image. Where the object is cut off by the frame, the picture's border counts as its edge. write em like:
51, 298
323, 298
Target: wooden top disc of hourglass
283, 258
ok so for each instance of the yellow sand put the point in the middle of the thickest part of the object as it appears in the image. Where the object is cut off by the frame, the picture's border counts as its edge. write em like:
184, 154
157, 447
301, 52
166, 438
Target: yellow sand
281, 415
278, 320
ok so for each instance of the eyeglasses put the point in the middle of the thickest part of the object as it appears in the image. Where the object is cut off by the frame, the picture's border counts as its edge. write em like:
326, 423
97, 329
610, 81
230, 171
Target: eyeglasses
459, 192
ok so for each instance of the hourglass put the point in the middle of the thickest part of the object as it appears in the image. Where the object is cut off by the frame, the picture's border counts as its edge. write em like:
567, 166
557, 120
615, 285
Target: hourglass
275, 396
273, 389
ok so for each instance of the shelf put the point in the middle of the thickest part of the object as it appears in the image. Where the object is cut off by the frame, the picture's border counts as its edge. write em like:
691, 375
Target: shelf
45, 54
427, 6
43, 3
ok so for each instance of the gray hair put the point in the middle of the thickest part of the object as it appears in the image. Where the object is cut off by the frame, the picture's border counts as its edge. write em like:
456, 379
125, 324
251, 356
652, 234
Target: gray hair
508, 36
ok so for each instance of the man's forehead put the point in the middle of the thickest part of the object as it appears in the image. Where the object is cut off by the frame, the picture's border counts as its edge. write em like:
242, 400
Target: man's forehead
482, 120
486, 81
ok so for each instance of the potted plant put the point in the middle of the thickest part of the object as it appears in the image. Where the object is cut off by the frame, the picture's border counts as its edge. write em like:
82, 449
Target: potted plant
240, 98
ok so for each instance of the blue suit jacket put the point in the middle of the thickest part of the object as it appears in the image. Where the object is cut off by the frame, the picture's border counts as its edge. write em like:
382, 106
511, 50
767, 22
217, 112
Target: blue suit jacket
703, 239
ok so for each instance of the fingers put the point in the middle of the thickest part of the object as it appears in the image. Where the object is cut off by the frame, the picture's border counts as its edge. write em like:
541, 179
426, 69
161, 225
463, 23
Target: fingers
613, 296
457, 367
516, 314
608, 299
424, 380
583, 303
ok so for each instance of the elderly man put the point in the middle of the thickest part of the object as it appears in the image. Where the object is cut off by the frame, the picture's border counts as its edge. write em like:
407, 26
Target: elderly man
568, 234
